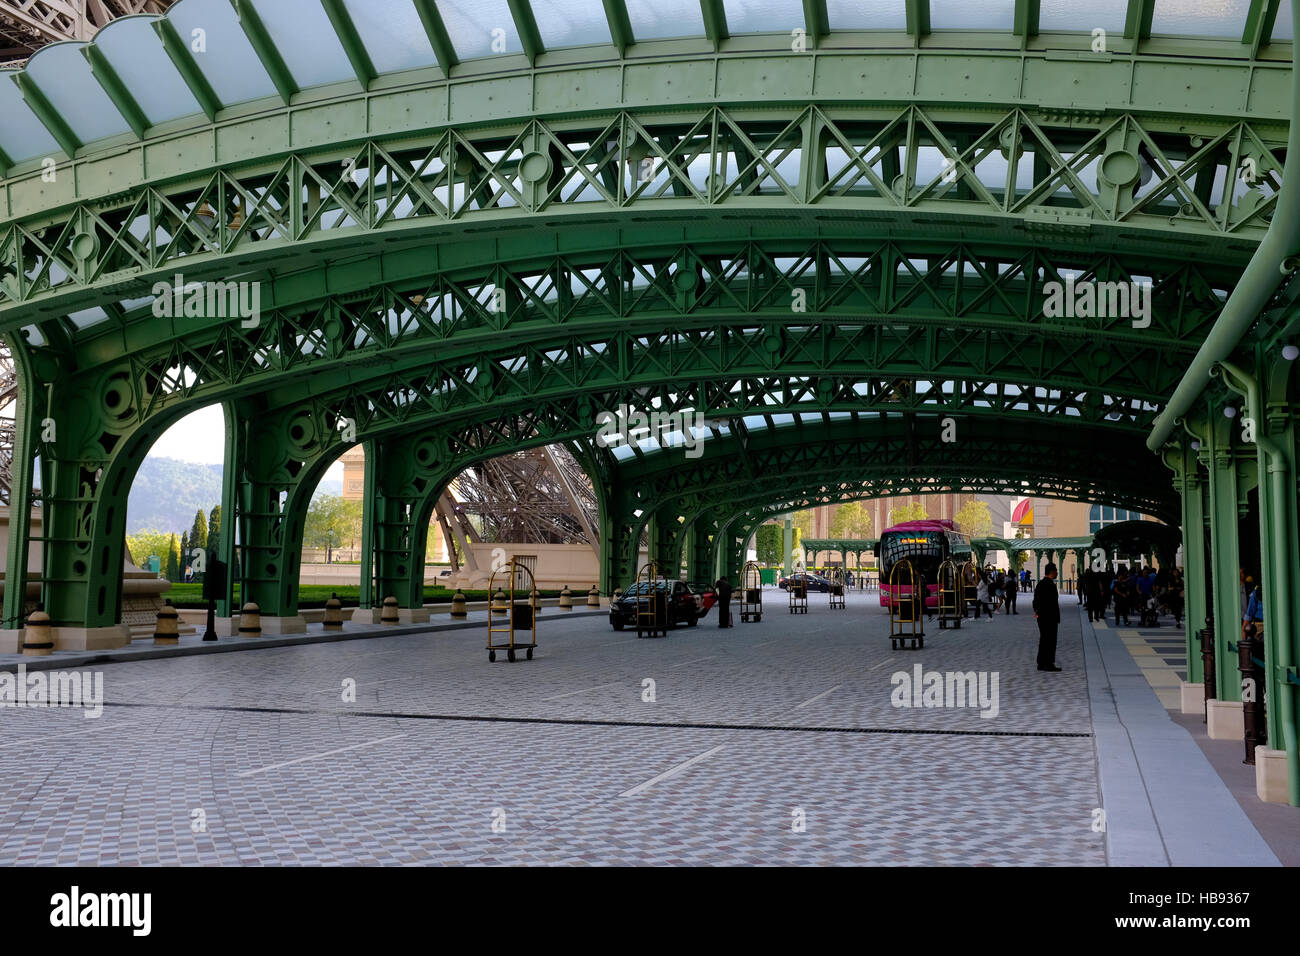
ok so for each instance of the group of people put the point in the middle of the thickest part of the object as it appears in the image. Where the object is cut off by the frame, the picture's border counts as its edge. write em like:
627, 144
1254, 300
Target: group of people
995, 589
1145, 593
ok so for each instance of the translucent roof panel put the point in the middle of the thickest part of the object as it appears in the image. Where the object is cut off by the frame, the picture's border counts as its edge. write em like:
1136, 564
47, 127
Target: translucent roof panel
474, 26
867, 14
968, 15
222, 51
63, 75
1070, 16
21, 134
763, 16
306, 41
1283, 26
392, 34
571, 22
664, 19
1200, 18
136, 54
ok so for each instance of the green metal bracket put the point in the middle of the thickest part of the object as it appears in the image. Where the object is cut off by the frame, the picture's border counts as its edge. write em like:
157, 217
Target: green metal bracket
265, 48
1137, 22
47, 114
346, 30
526, 25
816, 20
715, 22
179, 53
620, 25
439, 39
112, 84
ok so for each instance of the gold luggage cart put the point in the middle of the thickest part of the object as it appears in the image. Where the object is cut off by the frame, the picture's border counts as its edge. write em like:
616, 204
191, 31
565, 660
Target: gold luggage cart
906, 611
952, 607
836, 577
751, 593
797, 586
520, 619
651, 602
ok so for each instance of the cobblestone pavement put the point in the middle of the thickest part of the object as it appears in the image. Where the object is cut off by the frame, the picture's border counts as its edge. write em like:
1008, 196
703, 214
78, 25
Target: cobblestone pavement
769, 743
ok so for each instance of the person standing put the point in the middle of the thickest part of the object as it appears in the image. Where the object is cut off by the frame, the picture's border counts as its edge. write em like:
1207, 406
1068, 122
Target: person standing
982, 596
723, 588
1047, 610
1009, 596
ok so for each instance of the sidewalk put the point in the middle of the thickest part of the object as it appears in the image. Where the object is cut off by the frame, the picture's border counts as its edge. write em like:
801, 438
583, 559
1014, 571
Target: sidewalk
1165, 803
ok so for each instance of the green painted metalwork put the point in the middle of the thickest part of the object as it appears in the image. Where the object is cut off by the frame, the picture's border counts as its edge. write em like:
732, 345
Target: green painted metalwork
117, 92
437, 33
346, 30
179, 53
251, 23
526, 24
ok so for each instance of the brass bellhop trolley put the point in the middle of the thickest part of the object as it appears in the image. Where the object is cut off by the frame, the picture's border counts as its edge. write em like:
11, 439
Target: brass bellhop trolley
836, 576
797, 586
651, 602
519, 630
751, 593
907, 608
951, 605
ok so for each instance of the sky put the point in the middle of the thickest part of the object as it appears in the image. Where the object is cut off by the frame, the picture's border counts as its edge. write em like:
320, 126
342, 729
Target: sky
199, 438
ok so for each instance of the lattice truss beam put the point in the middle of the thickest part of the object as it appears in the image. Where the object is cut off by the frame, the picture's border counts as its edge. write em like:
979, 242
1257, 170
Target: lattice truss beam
27, 25
886, 325
1113, 179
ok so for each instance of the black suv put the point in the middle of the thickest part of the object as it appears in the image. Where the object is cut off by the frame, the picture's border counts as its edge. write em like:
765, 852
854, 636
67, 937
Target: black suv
685, 605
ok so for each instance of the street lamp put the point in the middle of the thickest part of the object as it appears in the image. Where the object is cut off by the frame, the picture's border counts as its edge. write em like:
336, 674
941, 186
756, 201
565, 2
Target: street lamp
329, 546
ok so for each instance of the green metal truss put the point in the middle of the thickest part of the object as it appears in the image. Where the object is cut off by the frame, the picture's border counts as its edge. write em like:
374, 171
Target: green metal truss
1013, 175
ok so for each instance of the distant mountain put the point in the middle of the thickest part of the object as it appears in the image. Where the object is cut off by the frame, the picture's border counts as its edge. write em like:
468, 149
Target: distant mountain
167, 492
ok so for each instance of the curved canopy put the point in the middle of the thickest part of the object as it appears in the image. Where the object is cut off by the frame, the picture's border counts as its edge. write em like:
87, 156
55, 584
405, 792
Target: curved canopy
205, 56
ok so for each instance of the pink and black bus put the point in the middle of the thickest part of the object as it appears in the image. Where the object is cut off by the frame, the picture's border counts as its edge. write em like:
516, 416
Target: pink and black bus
927, 544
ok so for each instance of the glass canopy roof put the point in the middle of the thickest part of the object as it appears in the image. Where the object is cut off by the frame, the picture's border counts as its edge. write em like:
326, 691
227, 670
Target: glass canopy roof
148, 67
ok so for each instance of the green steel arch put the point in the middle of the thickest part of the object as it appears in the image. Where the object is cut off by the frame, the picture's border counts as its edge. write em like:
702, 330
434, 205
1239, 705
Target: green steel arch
831, 236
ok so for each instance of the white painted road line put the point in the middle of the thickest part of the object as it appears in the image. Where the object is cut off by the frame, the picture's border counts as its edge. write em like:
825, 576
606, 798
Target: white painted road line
328, 753
698, 660
881, 664
642, 787
362, 684
765, 643
585, 690
813, 700
615, 643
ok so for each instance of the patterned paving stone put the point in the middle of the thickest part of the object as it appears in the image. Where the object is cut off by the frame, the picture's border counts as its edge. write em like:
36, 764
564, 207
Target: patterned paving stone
773, 743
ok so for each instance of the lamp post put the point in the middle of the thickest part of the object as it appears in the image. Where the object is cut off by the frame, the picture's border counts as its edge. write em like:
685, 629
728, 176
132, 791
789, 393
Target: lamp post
329, 546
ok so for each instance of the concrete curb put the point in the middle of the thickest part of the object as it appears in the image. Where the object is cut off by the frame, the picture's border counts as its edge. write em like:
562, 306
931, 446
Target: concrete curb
192, 645
1165, 803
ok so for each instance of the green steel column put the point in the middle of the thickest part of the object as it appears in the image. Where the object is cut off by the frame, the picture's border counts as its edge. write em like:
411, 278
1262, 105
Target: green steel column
231, 476
788, 562
368, 494
1194, 564
698, 548
409, 475
28, 412
1225, 561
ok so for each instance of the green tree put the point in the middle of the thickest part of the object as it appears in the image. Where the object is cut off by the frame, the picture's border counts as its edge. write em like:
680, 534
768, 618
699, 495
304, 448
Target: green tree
185, 552
214, 528
173, 563
334, 513
768, 541
143, 544
974, 519
852, 520
1018, 558
912, 511
199, 531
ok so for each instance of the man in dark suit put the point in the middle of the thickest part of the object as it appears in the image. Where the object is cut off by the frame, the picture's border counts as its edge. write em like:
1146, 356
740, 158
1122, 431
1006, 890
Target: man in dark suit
1047, 610
723, 588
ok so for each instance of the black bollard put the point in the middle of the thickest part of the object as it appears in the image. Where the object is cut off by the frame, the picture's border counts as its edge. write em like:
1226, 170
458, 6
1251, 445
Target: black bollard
1250, 650
211, 633
1207, 663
